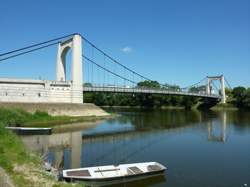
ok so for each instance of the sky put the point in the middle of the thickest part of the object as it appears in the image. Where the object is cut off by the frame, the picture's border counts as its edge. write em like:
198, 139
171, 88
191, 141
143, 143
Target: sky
171, 41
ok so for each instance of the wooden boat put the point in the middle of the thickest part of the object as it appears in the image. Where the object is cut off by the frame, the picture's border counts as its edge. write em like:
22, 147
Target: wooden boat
111, 174
30, 131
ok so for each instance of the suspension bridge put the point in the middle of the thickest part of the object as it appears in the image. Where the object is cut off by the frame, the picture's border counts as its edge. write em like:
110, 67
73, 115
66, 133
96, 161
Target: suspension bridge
92, 70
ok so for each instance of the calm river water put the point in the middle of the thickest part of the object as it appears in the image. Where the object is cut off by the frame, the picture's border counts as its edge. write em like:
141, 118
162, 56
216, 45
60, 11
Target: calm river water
208, 149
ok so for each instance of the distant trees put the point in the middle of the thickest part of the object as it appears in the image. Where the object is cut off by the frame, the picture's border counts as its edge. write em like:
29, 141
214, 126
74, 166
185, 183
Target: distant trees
199, 89
149, 84
239, 96
87, 84
145, 100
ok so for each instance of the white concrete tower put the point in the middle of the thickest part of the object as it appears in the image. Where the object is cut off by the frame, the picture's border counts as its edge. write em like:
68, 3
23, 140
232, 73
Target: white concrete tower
223, 93
208, 89
222, 87
75, 44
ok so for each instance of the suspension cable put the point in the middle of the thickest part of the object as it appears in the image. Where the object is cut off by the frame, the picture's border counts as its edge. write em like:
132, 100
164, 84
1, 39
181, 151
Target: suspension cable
35, 45
194, 84
29, 51
115, 61
228, 83
215, 86
107, 69
112, 59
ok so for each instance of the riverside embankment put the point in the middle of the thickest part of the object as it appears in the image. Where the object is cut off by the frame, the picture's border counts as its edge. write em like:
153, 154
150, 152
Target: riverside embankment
20, 167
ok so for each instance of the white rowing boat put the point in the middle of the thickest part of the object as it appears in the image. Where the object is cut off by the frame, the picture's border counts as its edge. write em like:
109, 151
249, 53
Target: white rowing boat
111, 174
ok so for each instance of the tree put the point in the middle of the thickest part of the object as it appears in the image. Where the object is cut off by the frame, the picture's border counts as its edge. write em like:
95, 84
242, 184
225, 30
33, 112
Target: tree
239, 95
238, 91
149, 84
246, 99
197, 89
87, 84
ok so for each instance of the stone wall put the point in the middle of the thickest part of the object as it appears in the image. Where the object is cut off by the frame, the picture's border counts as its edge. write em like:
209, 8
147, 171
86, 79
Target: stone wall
38, 91
55, 109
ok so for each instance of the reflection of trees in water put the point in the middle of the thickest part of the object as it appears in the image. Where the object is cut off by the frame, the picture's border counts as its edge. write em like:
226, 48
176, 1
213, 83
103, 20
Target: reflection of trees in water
146, 118
157, 119
239, 118
129, 144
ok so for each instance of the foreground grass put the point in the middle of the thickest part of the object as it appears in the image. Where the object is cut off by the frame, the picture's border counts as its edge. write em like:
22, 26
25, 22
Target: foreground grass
24, 168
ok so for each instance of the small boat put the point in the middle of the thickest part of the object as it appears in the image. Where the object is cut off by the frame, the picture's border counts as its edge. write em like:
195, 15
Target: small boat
113, 174
30, 130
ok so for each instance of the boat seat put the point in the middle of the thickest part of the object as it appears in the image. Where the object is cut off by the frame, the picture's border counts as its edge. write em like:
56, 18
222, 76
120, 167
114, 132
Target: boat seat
154, 168
136, 170
129, 172
116, 169
82, 173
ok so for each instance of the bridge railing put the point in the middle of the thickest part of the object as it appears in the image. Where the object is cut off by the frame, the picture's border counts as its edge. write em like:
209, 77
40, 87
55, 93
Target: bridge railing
144, 90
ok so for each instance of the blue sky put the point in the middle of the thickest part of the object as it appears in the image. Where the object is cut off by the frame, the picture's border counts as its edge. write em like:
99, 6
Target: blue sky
173, 41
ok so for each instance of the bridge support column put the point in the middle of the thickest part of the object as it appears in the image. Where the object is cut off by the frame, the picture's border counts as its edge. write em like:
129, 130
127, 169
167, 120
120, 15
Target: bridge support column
223, 93
75, 44
222, 87
208, 87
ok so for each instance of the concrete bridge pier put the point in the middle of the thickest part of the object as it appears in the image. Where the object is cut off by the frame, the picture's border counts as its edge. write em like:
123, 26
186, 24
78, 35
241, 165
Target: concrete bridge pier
75, 44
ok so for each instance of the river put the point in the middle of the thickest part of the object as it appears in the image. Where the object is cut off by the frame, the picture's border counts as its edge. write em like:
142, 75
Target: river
208, 149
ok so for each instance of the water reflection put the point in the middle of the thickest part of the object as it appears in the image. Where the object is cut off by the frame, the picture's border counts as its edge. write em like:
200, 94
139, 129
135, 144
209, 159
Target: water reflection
73, 149
221, 127
59, 149
163, 136
145, 182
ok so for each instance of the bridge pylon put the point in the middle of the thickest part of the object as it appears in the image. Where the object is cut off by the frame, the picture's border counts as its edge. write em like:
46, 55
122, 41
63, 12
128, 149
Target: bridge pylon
74, 43
222, 87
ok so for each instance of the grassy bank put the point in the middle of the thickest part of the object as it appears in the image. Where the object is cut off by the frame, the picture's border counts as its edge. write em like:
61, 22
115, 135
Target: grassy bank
18, 117
224, 106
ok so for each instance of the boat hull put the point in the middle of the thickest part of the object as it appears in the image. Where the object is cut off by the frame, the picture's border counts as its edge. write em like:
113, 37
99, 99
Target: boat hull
118, 180
106, 175
30, 131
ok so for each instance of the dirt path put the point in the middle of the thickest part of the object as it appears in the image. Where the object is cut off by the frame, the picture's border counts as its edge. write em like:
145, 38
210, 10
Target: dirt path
5, 180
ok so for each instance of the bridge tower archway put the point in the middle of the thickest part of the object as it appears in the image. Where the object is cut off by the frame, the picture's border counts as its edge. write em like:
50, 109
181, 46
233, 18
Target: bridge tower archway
222, 86
75, 44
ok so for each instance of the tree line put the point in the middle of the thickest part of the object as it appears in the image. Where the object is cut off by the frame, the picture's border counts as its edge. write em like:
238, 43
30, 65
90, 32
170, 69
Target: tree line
143, 100
238, 96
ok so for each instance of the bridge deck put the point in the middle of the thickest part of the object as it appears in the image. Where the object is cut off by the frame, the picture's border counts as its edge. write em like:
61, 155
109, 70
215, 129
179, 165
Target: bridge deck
147, 91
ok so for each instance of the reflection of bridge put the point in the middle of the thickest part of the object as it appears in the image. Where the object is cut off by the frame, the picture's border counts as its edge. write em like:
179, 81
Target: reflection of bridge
79, 146
108, 75
43, 144
223, 127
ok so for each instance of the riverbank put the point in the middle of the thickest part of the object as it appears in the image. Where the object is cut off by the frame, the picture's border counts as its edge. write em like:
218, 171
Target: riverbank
18, 117
58, 109
23, 167
143, 107
226, 106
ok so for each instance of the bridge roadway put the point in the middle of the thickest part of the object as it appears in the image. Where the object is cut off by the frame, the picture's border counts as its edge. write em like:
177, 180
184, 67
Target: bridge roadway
147, 91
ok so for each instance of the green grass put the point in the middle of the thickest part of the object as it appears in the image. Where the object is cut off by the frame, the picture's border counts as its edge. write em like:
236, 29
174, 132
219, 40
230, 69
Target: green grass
18, 117
225, 106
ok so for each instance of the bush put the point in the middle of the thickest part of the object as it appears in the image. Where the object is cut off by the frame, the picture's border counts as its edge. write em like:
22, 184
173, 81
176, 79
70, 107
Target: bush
13, 117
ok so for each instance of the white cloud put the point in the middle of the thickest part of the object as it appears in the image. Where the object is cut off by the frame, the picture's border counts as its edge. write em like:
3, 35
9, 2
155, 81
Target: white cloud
127, 49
